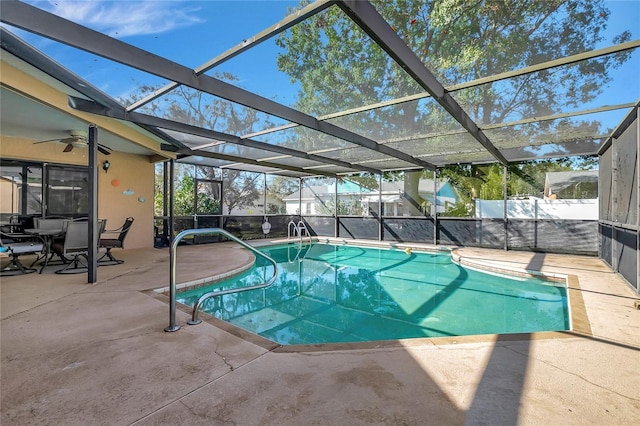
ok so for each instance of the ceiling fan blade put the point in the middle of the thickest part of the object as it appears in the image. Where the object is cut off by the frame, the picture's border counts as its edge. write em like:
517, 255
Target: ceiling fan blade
61, 140
68, 148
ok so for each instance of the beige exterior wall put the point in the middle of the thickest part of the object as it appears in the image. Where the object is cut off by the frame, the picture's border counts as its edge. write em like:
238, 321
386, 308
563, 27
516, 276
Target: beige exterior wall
127, 172
8, 196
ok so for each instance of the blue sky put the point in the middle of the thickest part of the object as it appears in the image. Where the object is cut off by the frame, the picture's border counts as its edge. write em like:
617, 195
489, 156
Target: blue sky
167, 28
172, 28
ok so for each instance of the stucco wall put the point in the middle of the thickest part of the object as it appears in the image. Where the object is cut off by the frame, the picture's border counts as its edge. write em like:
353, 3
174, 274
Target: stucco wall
132, 172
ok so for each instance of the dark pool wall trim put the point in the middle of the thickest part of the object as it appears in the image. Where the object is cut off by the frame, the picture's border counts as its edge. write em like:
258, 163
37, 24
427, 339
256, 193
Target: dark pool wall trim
547, 235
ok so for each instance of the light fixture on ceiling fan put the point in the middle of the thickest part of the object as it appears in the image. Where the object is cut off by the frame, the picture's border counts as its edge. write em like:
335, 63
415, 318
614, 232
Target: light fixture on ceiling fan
76, 139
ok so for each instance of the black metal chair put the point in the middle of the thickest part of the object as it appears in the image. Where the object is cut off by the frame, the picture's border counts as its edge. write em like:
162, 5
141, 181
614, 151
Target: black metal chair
117, 242
16, 245
75, 247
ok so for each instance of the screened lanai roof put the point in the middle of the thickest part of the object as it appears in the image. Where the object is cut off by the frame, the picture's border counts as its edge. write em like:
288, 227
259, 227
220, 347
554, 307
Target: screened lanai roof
341, 87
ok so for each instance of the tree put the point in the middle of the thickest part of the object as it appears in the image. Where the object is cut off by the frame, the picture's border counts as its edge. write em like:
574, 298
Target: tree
242, 191
200, 109
339, 67
278, 187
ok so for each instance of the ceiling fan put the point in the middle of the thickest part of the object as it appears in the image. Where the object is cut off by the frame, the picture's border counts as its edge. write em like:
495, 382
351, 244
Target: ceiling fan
76, 139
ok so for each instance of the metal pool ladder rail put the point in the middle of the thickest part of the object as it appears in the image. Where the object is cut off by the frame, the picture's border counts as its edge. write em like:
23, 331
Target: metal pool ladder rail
172, 279
297, 229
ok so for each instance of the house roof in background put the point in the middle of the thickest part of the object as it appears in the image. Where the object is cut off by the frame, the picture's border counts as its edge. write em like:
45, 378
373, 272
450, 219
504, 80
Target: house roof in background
557, 181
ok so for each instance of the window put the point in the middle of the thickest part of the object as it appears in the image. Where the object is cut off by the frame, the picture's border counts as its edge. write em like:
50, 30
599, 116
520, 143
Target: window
20, 188
67, 191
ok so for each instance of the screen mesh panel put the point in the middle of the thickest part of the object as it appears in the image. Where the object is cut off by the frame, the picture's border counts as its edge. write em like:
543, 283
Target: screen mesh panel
338, 45
418, 230
243, 192
389, 164
625, 163
556, 131
567, 89
471, 232
465, 157
243, 226
278, 188
358, 228
212, 112
358, 155
304, 139
553, 150
204, 161
558, 236
404, 120
463, 41
434, 144
626, 248
605, 185
319, 225
606, 243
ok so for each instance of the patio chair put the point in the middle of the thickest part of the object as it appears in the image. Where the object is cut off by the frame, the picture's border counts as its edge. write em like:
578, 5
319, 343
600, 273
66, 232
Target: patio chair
52, 230
16, 245
74, 247
116, 242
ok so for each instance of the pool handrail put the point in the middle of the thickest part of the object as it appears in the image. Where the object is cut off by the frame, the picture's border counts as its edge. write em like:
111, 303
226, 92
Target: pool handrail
172, 277
297, 229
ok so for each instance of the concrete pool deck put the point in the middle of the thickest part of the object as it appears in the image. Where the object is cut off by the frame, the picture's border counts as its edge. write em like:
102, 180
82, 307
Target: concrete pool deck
80, 354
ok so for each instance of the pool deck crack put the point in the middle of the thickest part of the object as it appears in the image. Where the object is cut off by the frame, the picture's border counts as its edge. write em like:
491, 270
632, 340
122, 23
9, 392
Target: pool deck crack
508, 347
224, 359
207, 383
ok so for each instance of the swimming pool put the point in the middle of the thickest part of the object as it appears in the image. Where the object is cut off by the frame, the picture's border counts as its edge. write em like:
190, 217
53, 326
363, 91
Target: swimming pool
342, 293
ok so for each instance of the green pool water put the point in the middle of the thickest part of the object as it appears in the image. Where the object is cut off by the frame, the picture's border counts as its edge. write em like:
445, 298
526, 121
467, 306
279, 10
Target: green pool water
342, 293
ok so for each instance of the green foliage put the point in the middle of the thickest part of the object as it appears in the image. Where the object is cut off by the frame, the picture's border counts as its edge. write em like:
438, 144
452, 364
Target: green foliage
203, 110
339, 67
184, 197
158, 194
523, 180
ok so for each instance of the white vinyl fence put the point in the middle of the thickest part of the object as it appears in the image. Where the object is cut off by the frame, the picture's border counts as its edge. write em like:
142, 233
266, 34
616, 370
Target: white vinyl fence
539, 209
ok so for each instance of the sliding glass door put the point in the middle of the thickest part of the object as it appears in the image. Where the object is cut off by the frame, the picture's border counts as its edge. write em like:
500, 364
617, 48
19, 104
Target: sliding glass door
37, 189
67, 191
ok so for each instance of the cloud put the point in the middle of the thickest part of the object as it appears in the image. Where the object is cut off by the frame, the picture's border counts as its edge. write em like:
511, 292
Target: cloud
121, 19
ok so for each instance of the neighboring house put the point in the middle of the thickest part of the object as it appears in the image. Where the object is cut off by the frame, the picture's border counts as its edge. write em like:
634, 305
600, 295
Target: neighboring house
393, 196
275, 205
576, 184
320, 199
354, 199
